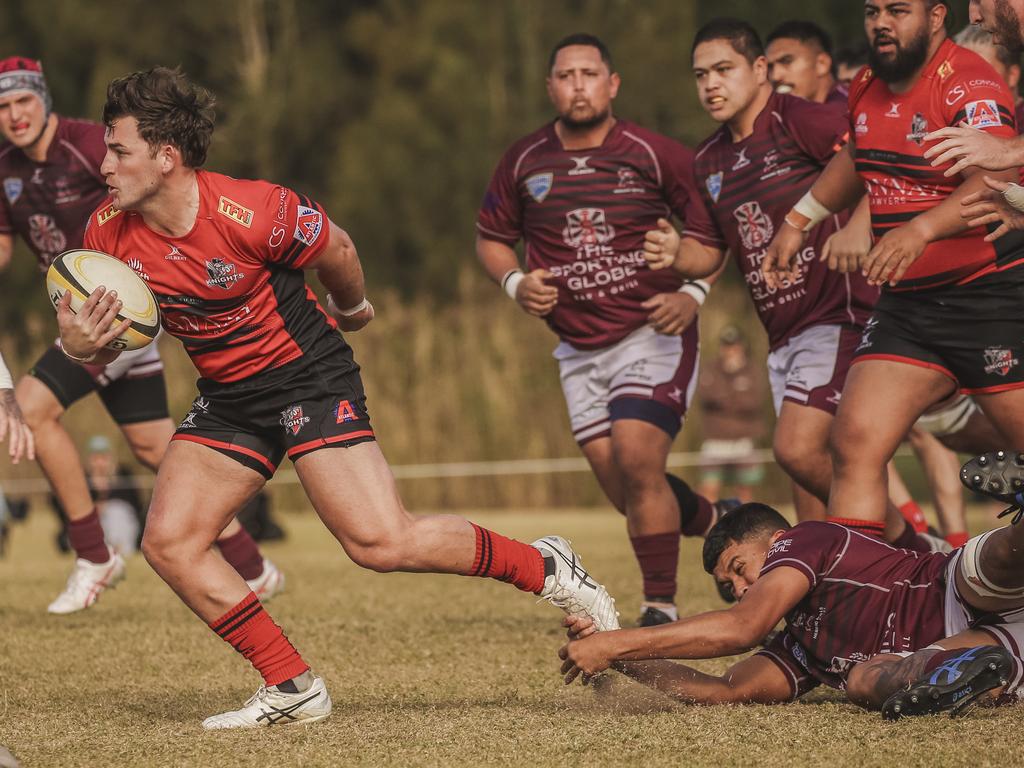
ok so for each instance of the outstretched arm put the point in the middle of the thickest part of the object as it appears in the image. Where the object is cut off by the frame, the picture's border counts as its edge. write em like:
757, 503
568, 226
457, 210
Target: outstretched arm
340, 272
755, 680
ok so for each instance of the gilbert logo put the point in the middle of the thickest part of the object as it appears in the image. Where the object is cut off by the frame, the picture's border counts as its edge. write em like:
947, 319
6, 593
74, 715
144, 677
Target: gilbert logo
234, 211
103, 215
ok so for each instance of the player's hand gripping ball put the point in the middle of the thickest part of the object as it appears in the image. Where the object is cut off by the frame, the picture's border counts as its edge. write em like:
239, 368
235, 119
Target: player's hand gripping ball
82, 271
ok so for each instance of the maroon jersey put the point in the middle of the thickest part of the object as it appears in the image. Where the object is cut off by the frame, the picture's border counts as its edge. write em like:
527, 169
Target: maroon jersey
956, 87
232, 289
583, 215
49, 203
839, 97
865, 597
746, 190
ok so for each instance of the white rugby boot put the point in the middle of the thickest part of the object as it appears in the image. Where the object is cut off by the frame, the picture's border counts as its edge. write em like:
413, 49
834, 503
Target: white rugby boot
269, 706
570, 587
268, 583
86, 582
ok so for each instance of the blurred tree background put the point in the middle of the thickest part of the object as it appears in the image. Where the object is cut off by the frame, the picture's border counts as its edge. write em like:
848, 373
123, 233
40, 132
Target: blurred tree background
393, 113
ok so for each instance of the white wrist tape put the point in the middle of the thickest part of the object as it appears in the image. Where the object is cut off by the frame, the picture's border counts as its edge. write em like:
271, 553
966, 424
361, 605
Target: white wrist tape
809, 208
510, 282
353, 310
697, 290
6, 382
1014, 195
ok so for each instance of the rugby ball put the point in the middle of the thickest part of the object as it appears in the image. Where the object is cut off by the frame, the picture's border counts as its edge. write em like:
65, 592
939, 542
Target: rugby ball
82, 271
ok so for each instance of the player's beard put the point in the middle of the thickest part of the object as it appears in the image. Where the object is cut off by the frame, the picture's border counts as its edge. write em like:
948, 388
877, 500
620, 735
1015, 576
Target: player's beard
906, 60
1007, 27
585, 123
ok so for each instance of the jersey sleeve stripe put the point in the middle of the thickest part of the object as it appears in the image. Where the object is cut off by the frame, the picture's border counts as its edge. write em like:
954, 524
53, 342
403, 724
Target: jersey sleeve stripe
650, 151
792, 562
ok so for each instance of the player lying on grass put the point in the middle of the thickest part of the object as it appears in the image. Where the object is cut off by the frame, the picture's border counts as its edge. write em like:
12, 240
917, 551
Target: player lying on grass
900, 631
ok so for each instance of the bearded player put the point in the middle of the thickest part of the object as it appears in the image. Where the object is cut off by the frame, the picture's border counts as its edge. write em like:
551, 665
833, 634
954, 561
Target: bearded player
904, 632
51, 183
948, 316
581, 192
276, 379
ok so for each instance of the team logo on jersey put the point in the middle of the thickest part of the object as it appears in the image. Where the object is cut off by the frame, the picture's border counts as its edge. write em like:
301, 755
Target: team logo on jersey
45, 235
714, 185
999, 361
587, 226
222, 274
755, 227
234, 211
894, 109
742, 161
982, 114
779, 547
308, 224
105, 214
345, 411
771, 166
37, 176
945, 70
956, 93
539, 185
862, 124
918, 129
629, 182
136, 267
580, 167
292, 419
13, 185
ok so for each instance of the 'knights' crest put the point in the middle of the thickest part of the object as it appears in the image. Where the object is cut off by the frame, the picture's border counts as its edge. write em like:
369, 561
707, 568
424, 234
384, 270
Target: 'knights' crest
999, 361
539, 185
293, 419
918, 129
222, 274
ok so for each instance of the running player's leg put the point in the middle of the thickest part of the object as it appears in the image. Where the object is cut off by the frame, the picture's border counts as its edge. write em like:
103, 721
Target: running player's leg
800, 445
598, 453
942, 467
881, 401
900, 496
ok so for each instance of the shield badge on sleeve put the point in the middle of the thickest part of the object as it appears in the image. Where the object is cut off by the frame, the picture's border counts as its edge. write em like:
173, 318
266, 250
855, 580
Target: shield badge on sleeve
539, 185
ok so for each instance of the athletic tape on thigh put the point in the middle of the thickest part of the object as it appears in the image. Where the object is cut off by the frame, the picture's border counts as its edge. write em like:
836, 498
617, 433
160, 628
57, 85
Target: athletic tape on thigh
970, 562
950, 419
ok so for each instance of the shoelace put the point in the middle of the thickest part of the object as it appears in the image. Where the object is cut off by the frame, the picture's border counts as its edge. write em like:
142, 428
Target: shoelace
565, 597
1016, 509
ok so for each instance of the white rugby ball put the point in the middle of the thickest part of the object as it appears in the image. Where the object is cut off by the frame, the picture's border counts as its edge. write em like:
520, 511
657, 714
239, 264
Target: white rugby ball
82, 271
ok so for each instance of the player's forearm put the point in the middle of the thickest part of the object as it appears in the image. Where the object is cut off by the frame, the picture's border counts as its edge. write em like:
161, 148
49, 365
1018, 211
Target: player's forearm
6, 249
705, 636
497, 258
839, 187
340, 272
945, 219
679, 681
697, 261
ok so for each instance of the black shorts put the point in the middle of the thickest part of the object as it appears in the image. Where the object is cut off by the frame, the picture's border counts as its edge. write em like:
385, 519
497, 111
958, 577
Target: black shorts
973, 333
311, 403
132, 392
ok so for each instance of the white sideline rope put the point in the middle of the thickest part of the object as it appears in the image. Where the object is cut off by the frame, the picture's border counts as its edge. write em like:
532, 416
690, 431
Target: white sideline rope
431, 471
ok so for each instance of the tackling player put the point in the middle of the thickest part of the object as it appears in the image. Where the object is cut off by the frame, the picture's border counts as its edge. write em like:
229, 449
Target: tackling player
799, 55
887, 626
581, 192
51, 183
276, 379
947, 316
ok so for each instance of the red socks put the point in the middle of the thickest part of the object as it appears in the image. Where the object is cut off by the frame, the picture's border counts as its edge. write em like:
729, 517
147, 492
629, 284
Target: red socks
914, 516
957, 539
867, 527
242, 554
86, 538
505, 559
658, 555
250, 631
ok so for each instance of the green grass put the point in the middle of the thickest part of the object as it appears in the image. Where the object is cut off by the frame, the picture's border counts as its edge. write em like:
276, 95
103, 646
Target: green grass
423, 670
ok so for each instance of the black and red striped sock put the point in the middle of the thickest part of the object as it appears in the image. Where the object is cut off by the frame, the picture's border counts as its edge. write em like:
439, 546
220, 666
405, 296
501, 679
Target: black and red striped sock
658, 556
250, 631
86, 537
242, 554
504, 559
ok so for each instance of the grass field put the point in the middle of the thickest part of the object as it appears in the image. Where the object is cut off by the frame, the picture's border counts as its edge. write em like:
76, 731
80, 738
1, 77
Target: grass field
423, 670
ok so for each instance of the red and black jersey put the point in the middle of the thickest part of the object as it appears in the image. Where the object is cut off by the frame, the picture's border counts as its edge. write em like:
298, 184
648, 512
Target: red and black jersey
956, 87
232, 289
583, 214
48, 203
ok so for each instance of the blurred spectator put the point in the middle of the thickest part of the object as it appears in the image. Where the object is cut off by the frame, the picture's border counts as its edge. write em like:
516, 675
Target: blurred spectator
848, 61
733, 392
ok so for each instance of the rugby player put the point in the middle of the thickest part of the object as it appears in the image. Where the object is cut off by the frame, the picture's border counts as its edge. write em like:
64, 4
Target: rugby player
276, 379
12, 423
770, 149
51, 182
887, 626
946, 318
799, 55
581, 192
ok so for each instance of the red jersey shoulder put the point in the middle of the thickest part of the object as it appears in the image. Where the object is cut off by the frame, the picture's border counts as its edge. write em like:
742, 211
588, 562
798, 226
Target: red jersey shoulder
965, 78
103, 224
859, 86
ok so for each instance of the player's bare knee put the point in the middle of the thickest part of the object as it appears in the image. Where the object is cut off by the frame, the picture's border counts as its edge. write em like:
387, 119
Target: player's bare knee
382, 558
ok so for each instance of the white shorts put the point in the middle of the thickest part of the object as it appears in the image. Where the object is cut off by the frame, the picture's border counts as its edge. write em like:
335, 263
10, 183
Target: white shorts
949, 419
810, 369
646, 376
1009, 632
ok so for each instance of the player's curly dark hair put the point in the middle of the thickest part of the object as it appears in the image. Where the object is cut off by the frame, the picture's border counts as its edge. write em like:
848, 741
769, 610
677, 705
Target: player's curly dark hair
752, 519
169, 109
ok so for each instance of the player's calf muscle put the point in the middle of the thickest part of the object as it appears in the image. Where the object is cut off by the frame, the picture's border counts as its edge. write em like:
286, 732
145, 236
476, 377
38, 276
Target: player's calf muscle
872, 682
